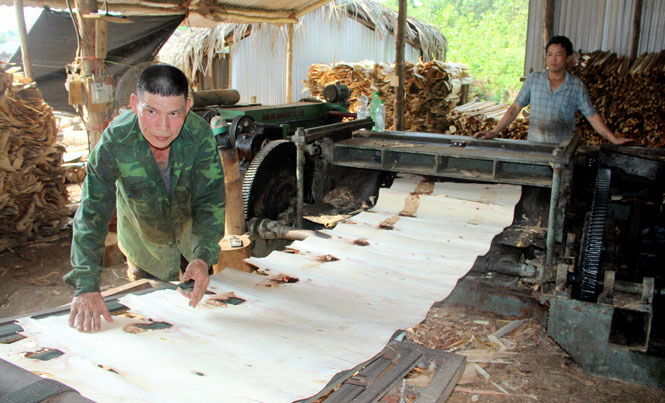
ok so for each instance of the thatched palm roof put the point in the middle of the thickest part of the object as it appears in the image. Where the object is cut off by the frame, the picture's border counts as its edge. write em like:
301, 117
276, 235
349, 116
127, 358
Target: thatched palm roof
194, 49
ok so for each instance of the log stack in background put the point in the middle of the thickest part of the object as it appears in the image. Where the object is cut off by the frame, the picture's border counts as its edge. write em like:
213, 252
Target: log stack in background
432, 89
470, 118
33, 196
629, 96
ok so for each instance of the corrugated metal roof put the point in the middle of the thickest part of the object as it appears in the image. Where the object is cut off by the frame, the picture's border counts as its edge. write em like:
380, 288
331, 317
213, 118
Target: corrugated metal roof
595, 25
286, 341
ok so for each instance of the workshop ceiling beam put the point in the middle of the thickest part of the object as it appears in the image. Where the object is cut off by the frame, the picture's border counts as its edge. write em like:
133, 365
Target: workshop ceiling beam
209, 9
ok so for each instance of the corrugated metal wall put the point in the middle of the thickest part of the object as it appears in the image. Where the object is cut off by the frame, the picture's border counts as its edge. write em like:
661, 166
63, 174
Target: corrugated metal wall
259, 61
595, 25
653, 26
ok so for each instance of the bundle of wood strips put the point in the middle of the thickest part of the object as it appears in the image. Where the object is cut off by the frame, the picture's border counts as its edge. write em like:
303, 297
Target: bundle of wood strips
468, 119
432, 88
33, 196
627, 95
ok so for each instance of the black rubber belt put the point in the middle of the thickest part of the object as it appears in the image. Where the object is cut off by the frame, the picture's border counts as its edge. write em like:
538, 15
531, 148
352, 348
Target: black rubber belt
36, 392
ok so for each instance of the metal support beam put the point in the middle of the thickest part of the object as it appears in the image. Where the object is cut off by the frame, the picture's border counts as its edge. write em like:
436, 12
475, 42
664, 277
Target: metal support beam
334, 129
299, 140
552, 218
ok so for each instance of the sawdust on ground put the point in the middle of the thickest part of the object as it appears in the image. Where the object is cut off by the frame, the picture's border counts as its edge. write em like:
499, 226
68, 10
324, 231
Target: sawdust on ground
524, 365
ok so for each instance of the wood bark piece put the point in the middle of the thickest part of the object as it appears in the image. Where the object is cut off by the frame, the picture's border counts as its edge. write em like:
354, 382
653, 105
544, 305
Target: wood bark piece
432, 89
33, 197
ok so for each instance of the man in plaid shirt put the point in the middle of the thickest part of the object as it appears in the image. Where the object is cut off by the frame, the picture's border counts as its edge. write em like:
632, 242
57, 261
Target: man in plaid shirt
554, 95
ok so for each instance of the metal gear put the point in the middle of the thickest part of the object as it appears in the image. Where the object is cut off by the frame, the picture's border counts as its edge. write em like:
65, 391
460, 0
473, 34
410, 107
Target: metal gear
269, 184
240, 125
590, 281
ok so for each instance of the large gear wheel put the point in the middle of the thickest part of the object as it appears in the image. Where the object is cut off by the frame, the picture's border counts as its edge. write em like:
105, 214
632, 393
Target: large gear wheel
269, 184
590, 281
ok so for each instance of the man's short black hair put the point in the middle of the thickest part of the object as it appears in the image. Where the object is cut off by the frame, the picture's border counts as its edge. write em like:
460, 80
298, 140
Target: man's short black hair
563, 41
164, 80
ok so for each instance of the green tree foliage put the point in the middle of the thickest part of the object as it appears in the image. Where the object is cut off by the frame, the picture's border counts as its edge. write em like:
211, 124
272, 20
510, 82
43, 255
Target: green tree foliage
487, 35
7, 36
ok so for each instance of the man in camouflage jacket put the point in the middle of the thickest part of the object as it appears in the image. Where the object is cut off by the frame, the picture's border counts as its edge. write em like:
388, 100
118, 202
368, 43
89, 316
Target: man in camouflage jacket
158, 167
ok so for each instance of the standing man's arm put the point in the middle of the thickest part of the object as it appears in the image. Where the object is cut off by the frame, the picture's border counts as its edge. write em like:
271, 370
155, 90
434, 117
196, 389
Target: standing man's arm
589, 112
88, 242
523, 99
602, 129
505, 121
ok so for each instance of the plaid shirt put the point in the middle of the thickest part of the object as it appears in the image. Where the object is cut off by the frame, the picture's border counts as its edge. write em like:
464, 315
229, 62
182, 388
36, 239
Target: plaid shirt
552, 114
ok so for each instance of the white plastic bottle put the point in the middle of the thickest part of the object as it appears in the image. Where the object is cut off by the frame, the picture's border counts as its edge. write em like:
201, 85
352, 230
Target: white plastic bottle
374, 108
363, 110
380, 122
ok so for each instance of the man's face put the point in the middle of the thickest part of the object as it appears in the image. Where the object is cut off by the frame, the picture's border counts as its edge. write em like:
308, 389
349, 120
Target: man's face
556, 58
160, 117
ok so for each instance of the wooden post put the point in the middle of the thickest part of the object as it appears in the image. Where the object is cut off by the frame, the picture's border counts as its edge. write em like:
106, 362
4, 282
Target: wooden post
548, 23
234, 218
101, 33
23, 36
289, 63
400, 39
637, 30
229, 71
213, 72
91, 66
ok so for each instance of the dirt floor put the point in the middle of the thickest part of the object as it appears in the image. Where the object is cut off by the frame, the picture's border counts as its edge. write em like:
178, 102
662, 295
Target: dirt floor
31, 276
524, 366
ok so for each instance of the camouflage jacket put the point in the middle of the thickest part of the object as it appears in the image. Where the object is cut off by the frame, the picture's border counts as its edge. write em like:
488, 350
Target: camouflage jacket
154, 228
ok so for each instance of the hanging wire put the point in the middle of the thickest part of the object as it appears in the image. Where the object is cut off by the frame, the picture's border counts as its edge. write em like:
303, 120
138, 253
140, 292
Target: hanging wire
76, 28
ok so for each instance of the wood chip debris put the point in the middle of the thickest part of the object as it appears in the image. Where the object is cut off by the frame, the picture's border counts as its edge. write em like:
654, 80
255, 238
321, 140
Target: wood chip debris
33, 196
491, 392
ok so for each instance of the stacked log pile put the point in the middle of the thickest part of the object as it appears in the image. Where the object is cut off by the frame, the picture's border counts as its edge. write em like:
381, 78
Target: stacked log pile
432, 89
470, 118
627, 95
33, 196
